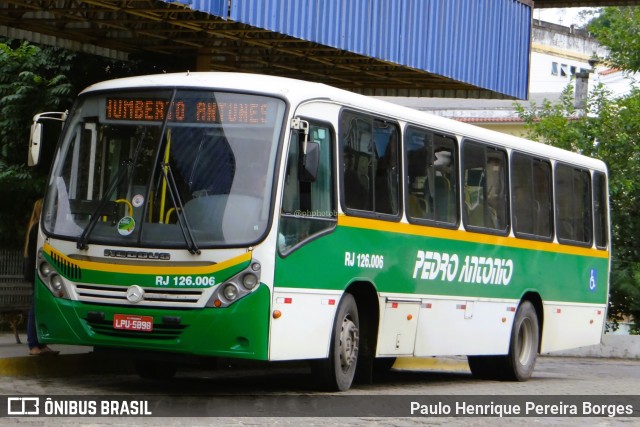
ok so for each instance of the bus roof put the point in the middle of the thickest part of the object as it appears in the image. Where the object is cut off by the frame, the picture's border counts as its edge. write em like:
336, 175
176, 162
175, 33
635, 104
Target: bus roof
299, 91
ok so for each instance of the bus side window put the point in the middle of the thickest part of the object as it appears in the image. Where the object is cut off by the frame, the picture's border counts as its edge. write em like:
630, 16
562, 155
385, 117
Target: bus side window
387, 171
573, 205
356, 162
307, 207
600, 210
485, 187
370, 164
531, 197
543, 195
431, 176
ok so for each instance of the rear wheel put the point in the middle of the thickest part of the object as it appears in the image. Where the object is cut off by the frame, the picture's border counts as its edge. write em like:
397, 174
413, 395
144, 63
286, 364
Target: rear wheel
523, 350
337, 371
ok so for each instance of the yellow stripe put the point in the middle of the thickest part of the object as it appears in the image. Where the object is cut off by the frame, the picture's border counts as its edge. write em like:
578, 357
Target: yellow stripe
465, 236
431, 363
149, 269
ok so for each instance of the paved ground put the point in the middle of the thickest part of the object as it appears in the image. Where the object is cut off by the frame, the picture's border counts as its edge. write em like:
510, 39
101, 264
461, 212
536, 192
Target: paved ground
243, 398
15, 360
9, 347
79, 372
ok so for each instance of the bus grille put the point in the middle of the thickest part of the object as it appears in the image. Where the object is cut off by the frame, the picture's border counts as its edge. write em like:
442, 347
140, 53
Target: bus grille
153, 297
67, 268
160, 331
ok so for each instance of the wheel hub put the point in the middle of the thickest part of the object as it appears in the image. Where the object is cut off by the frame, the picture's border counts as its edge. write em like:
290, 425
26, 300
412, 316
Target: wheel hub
348, 343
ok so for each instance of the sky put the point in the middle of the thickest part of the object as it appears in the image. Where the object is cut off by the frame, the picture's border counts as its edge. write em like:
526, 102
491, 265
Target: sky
565, 16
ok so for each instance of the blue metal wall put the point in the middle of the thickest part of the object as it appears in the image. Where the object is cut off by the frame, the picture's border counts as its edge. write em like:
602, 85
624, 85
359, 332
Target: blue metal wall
481, 42
213, 7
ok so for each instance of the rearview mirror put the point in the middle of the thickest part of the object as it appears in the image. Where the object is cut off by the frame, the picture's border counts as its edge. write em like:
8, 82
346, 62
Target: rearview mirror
35, 137
35, 140
309, 161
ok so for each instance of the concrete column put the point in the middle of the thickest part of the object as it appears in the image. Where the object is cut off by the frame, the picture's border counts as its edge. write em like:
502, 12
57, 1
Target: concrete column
581, 90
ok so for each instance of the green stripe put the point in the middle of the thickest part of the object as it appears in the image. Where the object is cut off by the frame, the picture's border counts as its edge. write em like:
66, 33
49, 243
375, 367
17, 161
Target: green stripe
556, 276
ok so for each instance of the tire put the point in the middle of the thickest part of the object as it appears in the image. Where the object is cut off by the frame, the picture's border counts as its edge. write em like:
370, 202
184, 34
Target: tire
154, 370
523, 350
336, 372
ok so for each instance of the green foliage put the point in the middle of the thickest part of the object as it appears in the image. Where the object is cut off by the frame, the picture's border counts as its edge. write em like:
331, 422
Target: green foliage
625, 295
32, 80
35, 79
618, 29
609, 130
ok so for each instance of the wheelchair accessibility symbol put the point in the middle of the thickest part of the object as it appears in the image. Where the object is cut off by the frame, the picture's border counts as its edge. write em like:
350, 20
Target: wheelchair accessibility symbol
593, 279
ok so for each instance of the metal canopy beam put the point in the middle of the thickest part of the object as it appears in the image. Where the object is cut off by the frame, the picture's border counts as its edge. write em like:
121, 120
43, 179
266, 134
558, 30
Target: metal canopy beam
207, 42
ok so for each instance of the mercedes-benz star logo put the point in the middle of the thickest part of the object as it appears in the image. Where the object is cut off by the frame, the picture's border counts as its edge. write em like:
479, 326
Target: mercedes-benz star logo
135, 294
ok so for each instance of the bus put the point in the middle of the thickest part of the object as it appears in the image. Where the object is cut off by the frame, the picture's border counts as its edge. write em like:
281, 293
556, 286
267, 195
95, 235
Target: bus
230, 215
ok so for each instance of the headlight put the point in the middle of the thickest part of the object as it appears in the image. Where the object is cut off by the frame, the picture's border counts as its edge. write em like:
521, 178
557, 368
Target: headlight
230, 292
236, 287
46, 269
52, 279
56, 282
249, 281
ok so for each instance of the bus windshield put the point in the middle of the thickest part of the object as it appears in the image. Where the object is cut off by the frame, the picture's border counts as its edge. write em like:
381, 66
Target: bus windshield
165, 168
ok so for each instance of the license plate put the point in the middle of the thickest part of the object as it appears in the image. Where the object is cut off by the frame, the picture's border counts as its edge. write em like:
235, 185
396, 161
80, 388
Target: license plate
130, 322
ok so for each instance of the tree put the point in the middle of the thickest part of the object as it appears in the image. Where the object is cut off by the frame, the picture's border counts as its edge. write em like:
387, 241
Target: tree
610, 131
618, 29
34, 79
31, 81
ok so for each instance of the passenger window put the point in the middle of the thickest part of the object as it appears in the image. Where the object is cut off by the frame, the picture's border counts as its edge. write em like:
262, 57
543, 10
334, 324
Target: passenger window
432, 177
307, 207
370, 164
531, 197
600, 210
573, 205
485, 188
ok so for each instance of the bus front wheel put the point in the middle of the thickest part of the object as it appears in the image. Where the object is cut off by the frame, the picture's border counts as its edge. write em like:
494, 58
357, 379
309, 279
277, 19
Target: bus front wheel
523, 349
336, 372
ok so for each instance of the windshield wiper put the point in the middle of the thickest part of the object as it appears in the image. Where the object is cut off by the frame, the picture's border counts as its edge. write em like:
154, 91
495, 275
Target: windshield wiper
192, 246
123, 171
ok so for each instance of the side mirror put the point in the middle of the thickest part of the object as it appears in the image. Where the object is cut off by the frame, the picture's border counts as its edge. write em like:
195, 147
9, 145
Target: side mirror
35, 139
309, 162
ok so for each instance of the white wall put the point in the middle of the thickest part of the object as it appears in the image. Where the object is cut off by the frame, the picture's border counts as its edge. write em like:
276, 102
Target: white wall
543, 80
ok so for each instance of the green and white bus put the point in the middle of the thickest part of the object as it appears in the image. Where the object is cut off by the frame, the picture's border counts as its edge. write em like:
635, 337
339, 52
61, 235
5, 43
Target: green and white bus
257, 217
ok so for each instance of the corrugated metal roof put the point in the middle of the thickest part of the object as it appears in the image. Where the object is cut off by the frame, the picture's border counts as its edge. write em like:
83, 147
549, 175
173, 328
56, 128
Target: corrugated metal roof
214, 7
481, 42
437, 48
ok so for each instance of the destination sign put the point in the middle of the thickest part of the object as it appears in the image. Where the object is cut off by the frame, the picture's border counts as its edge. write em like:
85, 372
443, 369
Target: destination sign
186, 111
